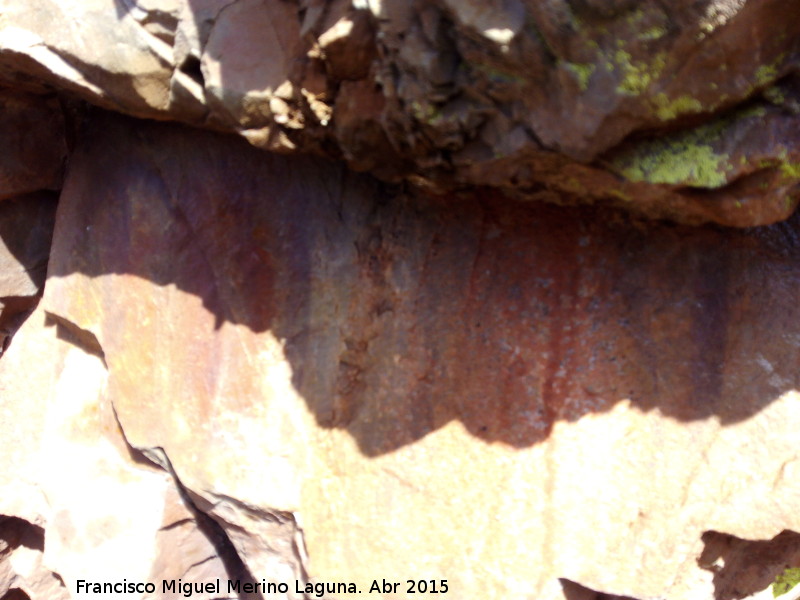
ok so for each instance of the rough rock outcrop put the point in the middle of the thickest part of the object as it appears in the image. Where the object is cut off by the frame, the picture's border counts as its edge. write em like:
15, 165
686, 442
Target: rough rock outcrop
26, 229
21, 570
455, 394
686, 111
345, 345
34, 143
107, 513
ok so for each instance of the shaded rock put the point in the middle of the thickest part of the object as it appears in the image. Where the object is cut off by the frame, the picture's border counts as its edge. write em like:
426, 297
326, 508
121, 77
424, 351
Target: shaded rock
743, 568
34, 143
461, 389
575, 591
26, 229
22, 574
688, 113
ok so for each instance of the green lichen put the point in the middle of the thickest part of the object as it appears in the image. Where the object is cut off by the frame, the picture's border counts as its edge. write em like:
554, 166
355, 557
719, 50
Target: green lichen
426, 112
678, 164
684, 158
766, 74
634, 16
652, 33
621, 195
681, 159
636, 75
667, 109
785, 582
790, 170
582, 72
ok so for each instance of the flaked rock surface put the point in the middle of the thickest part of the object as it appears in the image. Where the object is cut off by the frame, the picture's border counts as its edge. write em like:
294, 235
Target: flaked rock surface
686, 111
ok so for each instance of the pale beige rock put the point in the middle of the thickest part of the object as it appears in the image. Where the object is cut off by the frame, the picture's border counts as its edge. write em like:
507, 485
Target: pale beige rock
247, 57
106, 516
98, 49
21, 568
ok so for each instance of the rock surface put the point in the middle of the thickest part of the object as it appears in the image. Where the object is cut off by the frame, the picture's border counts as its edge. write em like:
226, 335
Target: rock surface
96, 510
455, 394
26, 230
687, 111
34, 143
237, 358
21, 569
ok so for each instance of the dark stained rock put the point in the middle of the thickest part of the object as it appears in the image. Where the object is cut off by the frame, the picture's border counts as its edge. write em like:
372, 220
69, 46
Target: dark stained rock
33, 143
26, 229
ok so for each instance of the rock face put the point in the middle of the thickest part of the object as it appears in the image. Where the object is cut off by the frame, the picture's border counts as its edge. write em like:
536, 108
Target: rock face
687, 111
243, 358
336, 367
108, 514
26, 229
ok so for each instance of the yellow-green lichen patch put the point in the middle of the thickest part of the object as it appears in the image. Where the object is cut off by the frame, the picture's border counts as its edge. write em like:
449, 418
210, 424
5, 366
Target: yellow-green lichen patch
676, 164
426, 112
766, 74
620, 195
652, 33
573, 186
667, 109
681, 159
582, 73
789, 169
687, 158
636, 75
635, 16
785, 581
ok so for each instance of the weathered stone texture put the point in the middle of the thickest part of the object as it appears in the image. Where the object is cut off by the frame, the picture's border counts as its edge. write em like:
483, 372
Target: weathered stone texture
106, 514
26, 229
34, 146
21, 569
687, 111
465, 389
265, 366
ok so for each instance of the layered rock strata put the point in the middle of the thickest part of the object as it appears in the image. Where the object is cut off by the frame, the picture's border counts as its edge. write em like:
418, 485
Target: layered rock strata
686, 111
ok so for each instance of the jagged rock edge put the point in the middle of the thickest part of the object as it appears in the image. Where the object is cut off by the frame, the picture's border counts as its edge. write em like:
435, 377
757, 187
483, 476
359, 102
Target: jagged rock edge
207, 525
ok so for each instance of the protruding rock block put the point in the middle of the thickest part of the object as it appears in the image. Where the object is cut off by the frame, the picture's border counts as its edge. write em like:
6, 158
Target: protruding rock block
687, 112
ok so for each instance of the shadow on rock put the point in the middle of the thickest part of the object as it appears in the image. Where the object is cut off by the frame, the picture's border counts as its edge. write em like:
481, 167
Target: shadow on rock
402, 312
744, 567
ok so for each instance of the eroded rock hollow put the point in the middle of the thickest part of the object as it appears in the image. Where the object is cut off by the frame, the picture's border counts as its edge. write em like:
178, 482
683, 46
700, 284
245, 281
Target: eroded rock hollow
498, 298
